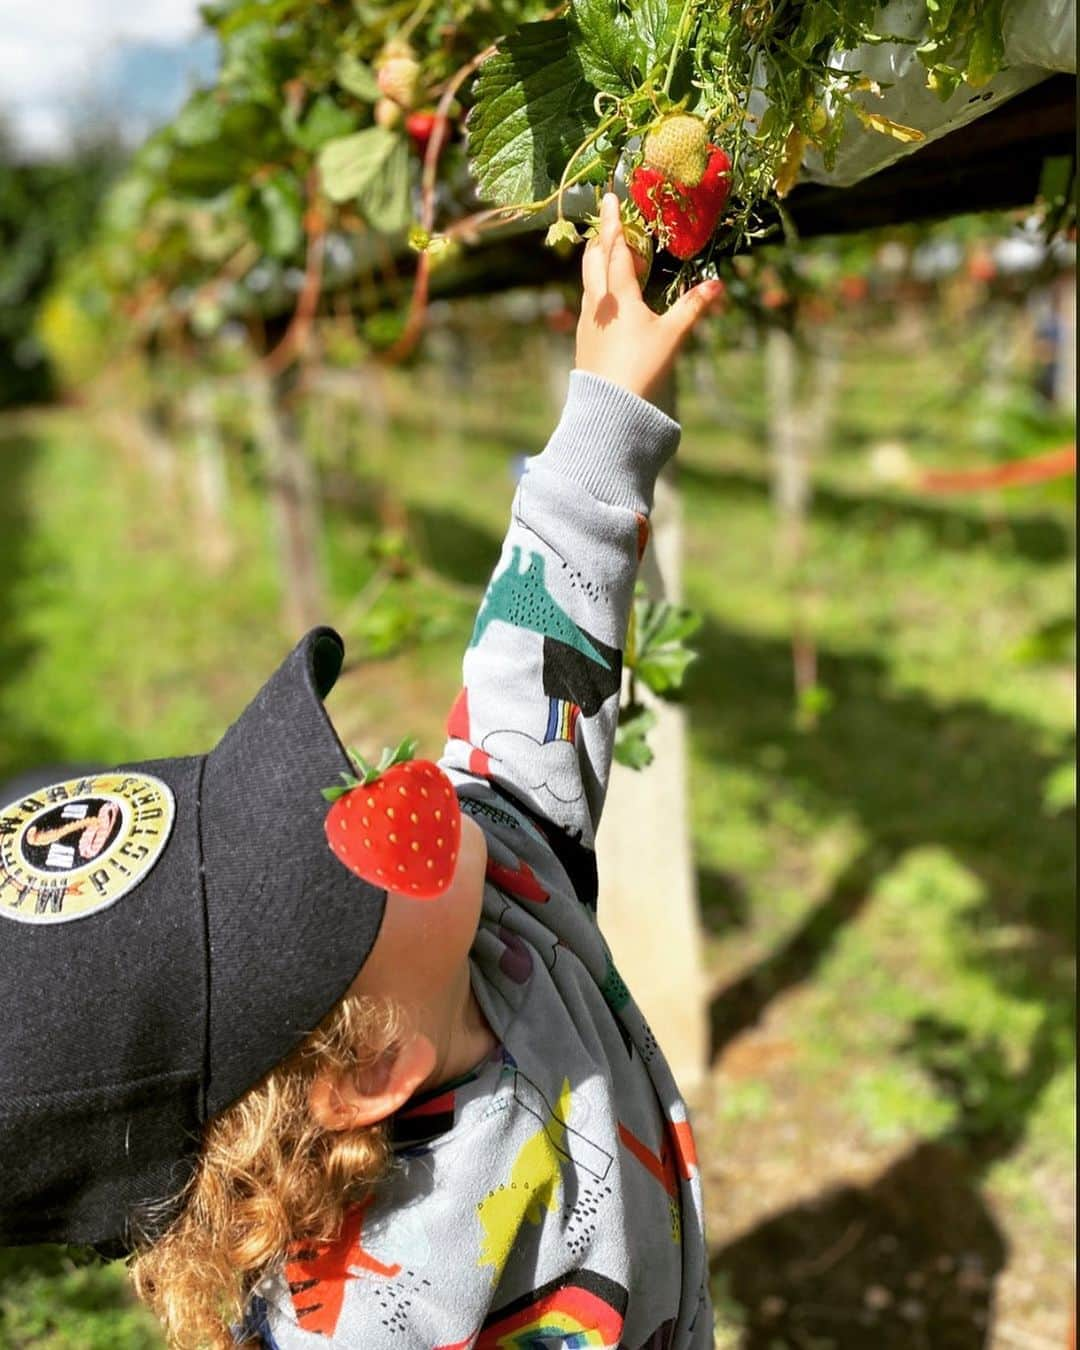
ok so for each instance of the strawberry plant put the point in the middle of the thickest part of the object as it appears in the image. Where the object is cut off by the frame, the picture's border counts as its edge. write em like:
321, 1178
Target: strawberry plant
706, 111
335, 122
337, 137
656, 655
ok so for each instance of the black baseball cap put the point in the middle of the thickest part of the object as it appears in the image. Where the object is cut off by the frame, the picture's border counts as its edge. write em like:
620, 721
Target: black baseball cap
169, 931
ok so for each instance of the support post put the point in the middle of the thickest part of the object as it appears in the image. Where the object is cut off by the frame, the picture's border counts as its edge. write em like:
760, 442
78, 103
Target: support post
294, 505
648, 882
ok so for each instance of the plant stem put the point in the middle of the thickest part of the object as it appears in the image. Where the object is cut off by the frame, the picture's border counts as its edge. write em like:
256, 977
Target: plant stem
593, 136
488, 217
676, 50
413, 19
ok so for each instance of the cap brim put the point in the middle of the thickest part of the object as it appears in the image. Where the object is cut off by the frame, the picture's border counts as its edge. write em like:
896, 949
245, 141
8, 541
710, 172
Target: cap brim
289, 927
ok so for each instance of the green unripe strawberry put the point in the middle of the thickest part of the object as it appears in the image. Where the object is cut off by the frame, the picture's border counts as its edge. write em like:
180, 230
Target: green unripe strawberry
678, 146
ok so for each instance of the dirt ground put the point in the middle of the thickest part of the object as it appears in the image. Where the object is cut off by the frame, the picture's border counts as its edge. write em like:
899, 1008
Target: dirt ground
824, 1240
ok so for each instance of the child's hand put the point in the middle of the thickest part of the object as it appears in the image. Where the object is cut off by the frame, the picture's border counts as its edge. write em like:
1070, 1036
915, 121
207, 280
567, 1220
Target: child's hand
618, 335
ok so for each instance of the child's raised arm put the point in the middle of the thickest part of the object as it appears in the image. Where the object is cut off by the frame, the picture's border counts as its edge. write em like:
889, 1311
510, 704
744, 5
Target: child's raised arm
542, 672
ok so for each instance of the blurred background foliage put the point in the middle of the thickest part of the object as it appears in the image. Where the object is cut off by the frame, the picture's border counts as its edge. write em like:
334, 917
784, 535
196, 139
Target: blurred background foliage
47, 212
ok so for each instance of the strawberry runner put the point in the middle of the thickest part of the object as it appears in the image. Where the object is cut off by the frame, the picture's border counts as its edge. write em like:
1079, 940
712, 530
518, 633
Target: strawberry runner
551, 1196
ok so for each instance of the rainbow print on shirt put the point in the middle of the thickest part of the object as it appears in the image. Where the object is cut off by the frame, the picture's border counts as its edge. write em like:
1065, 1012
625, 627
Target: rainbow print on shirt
578, 1311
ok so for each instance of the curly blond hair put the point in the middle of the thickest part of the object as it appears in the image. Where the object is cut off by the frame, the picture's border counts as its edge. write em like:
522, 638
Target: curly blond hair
268, 1175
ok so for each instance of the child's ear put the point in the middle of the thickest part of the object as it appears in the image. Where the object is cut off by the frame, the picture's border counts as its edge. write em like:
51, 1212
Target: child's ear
349, 1101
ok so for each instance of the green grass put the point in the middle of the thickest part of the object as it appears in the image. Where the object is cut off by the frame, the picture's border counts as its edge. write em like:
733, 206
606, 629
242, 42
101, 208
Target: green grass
892, 873
119, 642
52, 1301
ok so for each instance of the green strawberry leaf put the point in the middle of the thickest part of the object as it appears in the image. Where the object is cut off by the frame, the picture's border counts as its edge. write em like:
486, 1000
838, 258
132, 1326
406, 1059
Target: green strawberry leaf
401, 754
664, 668
987, 46
664, 623
659, 656
817, 23
605, 43
367, 772
631, 748
219, 149
325, 122
357, 79
372, 167
200, 120
386, 204
333, 793
657, 23
533, 106
278, 222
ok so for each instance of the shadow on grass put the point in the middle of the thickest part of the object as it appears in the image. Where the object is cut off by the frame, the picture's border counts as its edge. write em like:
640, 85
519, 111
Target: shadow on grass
449, 543
910, 1261
723, 900
22, 745
454, 546
740, 1004
909, 773
1039, 537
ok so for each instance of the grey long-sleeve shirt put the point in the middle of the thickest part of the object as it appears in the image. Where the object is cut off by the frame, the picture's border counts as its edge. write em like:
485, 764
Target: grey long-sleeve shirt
551, 1197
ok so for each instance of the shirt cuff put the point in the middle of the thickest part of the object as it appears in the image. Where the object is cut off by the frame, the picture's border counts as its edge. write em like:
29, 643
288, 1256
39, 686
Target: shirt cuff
611, 442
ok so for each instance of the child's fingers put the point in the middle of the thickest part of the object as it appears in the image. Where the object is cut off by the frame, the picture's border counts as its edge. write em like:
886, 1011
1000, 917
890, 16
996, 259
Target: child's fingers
596, 263
622, 274
594, 269
700, 300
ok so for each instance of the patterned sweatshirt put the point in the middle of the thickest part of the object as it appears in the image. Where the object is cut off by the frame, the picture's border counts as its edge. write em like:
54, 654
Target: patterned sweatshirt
551, 1197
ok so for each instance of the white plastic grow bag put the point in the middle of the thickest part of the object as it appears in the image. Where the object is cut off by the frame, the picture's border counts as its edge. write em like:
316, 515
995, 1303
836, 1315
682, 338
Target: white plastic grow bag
1040, 38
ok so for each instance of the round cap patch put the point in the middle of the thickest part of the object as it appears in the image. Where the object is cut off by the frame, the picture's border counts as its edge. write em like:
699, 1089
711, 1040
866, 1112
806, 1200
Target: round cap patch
72, 849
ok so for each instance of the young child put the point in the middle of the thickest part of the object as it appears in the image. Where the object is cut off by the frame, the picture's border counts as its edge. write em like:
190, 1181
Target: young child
480, 1143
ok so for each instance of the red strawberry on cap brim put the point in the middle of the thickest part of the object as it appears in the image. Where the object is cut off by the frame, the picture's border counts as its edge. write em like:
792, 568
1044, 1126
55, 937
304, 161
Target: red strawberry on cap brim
398, 826
683, 217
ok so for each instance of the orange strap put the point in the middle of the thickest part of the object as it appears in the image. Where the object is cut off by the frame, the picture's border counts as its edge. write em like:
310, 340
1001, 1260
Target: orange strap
1037, 469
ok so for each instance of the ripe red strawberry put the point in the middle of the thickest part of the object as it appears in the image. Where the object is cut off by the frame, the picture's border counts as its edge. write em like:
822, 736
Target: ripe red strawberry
420, 126
683, 213
399, 825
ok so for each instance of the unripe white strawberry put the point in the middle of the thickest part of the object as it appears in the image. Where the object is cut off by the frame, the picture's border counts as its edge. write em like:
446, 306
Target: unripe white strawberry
388, 114
398, 74
678, 146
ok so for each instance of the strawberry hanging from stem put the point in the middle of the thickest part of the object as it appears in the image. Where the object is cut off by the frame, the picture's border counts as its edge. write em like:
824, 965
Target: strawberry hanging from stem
682, 184
397, 825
